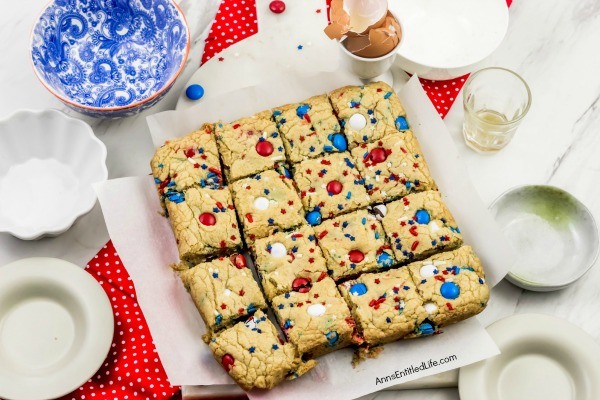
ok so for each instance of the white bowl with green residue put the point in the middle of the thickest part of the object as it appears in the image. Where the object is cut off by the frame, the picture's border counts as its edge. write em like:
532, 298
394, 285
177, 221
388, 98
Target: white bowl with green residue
554, 235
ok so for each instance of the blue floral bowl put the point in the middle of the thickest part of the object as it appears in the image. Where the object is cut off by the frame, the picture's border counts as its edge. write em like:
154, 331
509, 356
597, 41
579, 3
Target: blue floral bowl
110, 58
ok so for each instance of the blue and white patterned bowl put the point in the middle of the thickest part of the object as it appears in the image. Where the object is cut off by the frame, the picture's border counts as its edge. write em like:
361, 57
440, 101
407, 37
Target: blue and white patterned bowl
110, 58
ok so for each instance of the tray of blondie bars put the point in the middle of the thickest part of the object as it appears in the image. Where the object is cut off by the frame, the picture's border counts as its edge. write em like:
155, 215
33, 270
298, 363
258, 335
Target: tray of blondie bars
306, 236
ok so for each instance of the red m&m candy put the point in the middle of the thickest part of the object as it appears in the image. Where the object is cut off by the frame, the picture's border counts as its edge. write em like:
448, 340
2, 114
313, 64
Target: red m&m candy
277, 6
264, 148
378, 155
207, 219
334, 187
227, 362
239, 261
356, 256
301, 285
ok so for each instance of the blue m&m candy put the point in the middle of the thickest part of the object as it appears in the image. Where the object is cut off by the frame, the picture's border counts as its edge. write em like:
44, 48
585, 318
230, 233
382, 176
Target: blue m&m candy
358, 289
385, 260
401, 124
449, 290
314, 218
426, 329
194, 92
422, 217
339, 141
332, 337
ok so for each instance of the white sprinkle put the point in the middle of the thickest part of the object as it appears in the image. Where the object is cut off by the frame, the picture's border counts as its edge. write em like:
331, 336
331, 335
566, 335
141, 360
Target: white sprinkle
227, 292
433, 226
192, 161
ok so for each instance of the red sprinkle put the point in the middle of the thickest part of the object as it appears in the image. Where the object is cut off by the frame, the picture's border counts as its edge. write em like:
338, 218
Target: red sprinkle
449, 306
235, 126
223, 306
189, 153
321, 277
413, 231
439, 278
307, 118
249, 218
241, 293
323, 234
414, 245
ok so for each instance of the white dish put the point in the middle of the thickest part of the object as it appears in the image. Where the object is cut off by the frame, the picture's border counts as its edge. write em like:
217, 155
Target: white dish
553, 234
543, 357
56, 328
48, 163
446, 39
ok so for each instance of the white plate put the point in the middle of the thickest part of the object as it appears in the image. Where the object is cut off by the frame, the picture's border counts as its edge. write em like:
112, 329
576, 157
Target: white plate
543, 358
56, 328
444, 39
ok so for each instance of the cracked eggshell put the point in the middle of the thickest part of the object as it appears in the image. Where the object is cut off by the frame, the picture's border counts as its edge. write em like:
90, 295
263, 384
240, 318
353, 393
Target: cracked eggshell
379, 41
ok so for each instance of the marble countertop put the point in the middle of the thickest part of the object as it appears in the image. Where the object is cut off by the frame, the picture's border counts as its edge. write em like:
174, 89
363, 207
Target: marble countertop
551, 43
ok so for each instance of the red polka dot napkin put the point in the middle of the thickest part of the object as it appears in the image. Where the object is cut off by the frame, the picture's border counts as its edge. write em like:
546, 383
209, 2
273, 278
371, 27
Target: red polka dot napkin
132, 369
236, 20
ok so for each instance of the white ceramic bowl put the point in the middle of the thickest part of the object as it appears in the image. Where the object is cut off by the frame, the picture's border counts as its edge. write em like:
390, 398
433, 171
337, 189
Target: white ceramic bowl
48, 163
445, 39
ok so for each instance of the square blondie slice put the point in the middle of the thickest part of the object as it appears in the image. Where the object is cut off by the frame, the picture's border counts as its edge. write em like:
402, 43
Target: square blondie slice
386, 306
393, 167
369, 112
315, 319
190, 161
204, 223
329, 186
223, 291
287, 261
354, 243
267, 203
255, 356
419, 225
309, 129
249, 145
452, 285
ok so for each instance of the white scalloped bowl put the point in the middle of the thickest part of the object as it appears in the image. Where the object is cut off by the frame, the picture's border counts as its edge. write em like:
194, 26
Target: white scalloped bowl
48, 164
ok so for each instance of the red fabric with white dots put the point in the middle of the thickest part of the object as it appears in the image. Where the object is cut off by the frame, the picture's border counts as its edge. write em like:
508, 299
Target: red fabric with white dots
236, 20
132, 369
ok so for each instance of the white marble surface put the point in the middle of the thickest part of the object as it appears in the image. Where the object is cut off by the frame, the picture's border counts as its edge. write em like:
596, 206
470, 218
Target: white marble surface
551, 43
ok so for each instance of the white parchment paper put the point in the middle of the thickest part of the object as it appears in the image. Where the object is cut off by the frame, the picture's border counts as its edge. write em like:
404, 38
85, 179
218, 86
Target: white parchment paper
144, 240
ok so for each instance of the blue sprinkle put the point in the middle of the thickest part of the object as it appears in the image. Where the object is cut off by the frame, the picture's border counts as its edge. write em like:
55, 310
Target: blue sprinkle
215, 275
194, 92
422, 217
311, 238
171, 184
340, 207
406, 287
275, 347
266, 191
434, 242
388, 320
312, 149
276, 113
300, 47
385, 260
376, 235
358, 289
281, 306
280, 149
287, 324
271, 221
450, 290
295, 248
287, 295
481, 281
251, 349
349, 195
370, 112
215, 210
401, 123
363, 221
373, 120
332, 337
157, 181
302, 110
274, 134
328, 148
218, 319
423, 281
339, 142
282, 121
354, 104
387, 95
344, 224
251, 308
175, 197
161, 165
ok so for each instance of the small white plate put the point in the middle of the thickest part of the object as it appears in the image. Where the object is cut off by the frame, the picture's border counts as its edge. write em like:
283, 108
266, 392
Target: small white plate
543, 357
444, 39
56, 328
